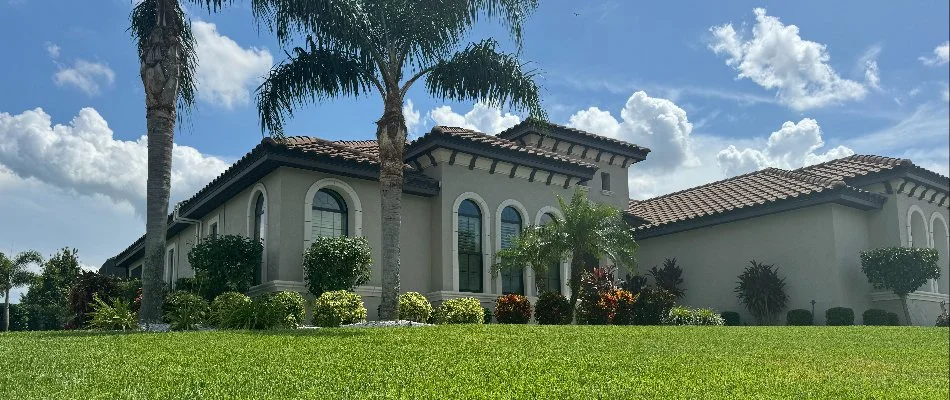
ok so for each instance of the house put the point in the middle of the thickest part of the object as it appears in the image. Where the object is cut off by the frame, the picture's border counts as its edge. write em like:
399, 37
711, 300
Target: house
811, 223
465, 195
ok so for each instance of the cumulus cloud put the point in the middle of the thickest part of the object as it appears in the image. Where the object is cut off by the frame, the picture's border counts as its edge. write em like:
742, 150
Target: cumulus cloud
653, 122
226, 71
776, 57
413, 118
941, 55
793, 146
87, 76
84, 158
481, 118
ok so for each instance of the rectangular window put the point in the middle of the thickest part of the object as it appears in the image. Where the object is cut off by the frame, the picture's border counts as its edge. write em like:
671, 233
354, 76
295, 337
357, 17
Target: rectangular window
470, 254
605, 181
136, 272
552, 278
170, 265
213, 230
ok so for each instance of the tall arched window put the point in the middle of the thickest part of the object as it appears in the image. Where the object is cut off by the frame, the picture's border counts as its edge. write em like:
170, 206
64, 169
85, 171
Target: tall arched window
552, 278
512, 279
470, 247
329, 214
259, 231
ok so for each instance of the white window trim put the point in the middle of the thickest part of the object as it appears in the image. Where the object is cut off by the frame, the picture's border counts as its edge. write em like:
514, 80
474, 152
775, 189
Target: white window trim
486, 240
354, 208
565, 264
259, 188
215, 221
173, 274
934, 287
910, 226
527, 276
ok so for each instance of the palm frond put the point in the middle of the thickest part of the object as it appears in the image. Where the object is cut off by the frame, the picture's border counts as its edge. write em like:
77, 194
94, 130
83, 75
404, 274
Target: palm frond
341, 24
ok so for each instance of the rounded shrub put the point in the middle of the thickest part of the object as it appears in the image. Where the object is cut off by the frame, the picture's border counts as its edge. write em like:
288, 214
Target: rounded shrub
414, 307
225, 305
186, 311
512, 309
338, 307
892, 319
731, 318
288, 307
708, 316
466, 310
874, 317
839, 316
552, 308
337, 263
653, 304
799, 317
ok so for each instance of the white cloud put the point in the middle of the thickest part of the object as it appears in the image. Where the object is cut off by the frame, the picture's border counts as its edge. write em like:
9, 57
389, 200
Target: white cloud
868, 62
941, 55
87, 76
776, 57
653, 122
52, 49
481, 118
84, 158
792, 146
412, 116
226, 71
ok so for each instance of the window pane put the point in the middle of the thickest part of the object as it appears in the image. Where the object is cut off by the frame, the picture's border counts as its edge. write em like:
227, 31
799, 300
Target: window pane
469, 247
329, 214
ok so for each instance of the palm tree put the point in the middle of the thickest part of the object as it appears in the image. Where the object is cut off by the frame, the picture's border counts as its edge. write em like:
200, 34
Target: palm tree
13, 274
167, 61
356, 47
587, 229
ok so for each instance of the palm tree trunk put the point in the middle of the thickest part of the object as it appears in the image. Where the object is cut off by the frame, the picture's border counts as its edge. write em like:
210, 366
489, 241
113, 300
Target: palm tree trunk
391, 134
6, 311
577, 267
160, 65
906, 309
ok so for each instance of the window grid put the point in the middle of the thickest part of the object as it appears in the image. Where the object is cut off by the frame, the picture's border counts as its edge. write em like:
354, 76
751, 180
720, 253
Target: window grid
469, 247
512, 279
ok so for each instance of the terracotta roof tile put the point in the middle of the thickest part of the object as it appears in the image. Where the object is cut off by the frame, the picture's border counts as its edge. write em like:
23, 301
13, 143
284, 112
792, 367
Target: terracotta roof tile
495, 141
855, 166
367, 146
330, 149
604, 139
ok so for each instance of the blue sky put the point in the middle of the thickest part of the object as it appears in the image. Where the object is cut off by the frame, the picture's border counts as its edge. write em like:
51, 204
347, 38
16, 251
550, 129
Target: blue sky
715, 88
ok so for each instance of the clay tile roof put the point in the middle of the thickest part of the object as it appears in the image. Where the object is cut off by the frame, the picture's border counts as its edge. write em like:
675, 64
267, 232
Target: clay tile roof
367, 146
508, 133
330, 149
498, 142
855, 166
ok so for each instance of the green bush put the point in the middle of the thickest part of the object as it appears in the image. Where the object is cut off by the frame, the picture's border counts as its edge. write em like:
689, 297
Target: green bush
552, 308
186, 311
839, 316
187, 284
467, 310
415, 307
799, 317
596, 305
225, 305
225, 263
681, 315
669, 277
626, 310
488, 315
255, 314
338, 307
512, 309
337, 263
731, 318
762, 292
82, 292
875, 317
892, 319
652, 306
288, 307
115, 317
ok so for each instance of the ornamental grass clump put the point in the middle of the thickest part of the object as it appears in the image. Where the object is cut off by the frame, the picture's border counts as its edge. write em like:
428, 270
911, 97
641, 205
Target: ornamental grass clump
414, 307
552, 308
467, 310
338, 307
117, 316
512, 309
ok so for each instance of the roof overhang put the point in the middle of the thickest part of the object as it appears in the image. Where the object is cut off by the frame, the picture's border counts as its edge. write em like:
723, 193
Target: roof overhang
558, 133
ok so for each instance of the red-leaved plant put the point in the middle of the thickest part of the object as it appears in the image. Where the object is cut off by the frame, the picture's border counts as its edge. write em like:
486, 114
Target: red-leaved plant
512, 309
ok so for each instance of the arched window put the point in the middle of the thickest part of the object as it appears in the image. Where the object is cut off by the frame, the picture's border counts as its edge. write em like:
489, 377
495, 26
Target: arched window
552, 278
470, 247
512, 279
259, 231
329, 214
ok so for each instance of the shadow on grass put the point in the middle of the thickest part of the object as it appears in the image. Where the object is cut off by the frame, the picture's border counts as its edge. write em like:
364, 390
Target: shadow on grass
323, 332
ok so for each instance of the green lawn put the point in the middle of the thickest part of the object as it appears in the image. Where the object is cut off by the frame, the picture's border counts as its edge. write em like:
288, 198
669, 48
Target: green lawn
493, 361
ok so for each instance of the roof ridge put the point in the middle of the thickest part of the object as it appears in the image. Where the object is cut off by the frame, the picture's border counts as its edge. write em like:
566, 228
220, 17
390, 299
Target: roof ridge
806, 177
702, 186
333, 144
536, 123
865, 158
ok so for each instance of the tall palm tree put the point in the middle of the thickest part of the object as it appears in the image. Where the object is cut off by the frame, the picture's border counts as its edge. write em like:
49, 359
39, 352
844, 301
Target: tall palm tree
587, 228
13, 274
167, 61
356, 47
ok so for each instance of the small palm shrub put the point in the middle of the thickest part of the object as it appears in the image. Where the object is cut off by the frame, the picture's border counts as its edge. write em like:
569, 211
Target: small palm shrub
338, 307
669, 277
512, 309
731, 318
289, 308
467, 310
186, 311
681, 315
414, 307
225, 305
552, 308
839, 316
337, 263
762, 292
653, 304
799, 317
115, 317
874, 317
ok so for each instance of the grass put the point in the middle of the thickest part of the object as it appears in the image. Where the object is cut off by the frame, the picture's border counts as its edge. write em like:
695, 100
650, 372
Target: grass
493, 361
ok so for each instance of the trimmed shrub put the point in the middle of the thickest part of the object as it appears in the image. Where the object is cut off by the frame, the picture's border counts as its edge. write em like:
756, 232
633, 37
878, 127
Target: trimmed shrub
465, 310
488, 315
115, 317
225, 305
288, 308
762, 292
338, 307
653, 304
552, 308
874, 317
681, 315
731, 318
512, 309
900, 269
186, 311
337, 263
415, 307
799, 317
225, 263
255, 314
839, 316
893, 320
670, 277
